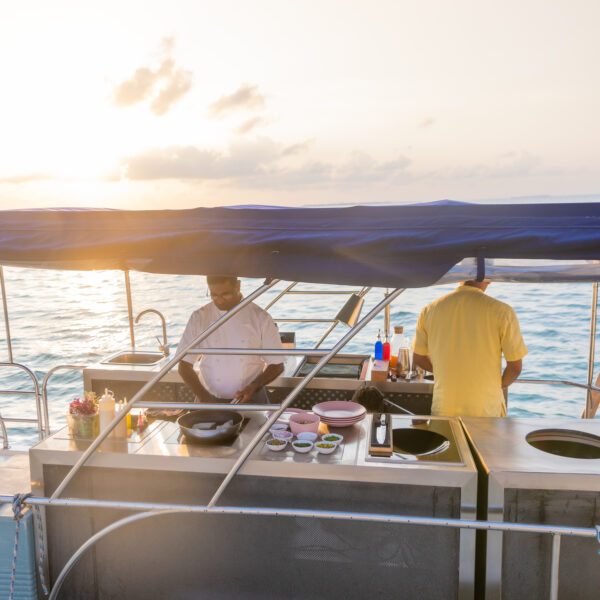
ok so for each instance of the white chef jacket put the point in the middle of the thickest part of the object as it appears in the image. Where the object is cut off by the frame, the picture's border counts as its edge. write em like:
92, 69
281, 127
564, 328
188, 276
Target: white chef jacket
251, 327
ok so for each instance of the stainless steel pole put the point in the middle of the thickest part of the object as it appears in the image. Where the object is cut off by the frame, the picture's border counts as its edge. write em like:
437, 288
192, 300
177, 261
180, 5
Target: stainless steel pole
140, 394
6, 323
129, 309
555, 563
282, 293
386, 319
588, 399
296, 391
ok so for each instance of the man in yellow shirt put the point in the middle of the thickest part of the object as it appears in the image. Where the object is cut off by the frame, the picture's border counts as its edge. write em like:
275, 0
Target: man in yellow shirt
460, 338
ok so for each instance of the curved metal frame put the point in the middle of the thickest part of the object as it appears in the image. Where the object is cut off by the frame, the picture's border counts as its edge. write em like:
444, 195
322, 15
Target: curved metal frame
38, 402
45, 389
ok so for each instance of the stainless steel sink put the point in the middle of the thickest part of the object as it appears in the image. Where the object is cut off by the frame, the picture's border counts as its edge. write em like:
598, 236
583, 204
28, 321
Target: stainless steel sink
132, 357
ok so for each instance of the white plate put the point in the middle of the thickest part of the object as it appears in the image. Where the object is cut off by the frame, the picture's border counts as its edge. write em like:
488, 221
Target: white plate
338, 409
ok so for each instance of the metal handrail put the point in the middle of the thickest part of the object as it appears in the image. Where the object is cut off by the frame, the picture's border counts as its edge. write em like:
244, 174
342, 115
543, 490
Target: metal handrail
155, 509
45, 389
333, 322
38, 405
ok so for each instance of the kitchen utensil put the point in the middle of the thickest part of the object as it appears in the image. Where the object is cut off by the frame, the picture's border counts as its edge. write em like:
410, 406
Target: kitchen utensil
227, 426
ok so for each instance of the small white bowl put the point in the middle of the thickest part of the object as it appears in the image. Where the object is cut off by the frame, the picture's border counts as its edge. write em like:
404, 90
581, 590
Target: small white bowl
278, 427
276, 447
283, 434
322, 450
307, 436
338, 438
302, 449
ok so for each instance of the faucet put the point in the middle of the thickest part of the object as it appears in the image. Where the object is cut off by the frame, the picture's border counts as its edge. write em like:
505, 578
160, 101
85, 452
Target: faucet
161, 347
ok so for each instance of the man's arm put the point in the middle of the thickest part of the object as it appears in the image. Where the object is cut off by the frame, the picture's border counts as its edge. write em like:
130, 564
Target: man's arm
270, 373
189, 376
511, 372
423, 361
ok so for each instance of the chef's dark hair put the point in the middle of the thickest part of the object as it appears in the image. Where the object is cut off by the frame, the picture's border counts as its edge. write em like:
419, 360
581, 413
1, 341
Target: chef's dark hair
218, 279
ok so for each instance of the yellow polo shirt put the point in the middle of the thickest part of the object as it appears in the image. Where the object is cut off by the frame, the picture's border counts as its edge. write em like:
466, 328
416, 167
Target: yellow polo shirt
465, 334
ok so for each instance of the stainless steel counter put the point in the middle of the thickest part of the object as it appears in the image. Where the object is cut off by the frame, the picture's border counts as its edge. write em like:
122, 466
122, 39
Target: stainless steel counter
160, 447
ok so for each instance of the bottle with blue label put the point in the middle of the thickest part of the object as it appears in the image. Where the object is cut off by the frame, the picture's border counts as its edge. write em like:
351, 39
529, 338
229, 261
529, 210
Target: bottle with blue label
378, 347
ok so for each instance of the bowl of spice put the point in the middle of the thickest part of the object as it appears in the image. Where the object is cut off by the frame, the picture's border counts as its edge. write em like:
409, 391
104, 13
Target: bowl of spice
304, 422
302, 446
325, 447
276, 445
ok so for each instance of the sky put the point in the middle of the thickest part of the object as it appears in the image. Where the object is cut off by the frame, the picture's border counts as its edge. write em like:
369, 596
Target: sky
155, 104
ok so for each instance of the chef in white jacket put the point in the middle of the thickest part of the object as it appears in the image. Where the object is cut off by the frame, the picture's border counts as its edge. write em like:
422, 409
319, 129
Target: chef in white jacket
235, 377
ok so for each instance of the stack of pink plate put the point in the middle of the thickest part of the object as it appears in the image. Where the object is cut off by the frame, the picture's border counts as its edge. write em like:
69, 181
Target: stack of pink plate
338, 413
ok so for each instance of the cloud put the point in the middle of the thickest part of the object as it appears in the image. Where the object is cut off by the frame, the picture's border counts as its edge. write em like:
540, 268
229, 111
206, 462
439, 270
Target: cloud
256, 165
190, 162
511, 164
246, 97
26, 178
249, 125
426, 122
298, 148
136, 89
164, 86
177, 86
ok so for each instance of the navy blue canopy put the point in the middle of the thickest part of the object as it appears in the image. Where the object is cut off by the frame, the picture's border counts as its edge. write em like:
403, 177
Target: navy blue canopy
386, 246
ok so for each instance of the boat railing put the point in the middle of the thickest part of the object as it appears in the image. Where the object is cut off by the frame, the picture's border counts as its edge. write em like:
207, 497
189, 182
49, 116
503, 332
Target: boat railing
45, 388
146, 510
42, 417
333, 322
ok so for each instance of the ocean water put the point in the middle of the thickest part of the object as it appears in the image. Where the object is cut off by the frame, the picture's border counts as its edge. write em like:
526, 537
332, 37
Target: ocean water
77, 318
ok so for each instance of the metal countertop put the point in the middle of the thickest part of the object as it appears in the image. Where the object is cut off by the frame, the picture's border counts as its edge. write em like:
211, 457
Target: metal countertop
158, 449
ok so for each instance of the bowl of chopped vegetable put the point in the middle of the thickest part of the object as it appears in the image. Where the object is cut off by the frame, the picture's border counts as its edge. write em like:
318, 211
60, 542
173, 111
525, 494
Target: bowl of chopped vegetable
276, 445
304, 422
302, 446
282, 434
325, 447
334, 438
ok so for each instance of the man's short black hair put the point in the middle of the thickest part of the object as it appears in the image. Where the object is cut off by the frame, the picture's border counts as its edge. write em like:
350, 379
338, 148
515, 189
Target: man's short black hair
218, 279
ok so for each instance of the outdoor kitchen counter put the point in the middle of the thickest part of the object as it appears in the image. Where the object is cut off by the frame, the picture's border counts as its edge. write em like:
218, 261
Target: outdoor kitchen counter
158, 449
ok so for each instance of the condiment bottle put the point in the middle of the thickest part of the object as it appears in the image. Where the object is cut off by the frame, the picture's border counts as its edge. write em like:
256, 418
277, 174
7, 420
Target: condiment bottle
106, 409
386, 348
121, 428
378, 347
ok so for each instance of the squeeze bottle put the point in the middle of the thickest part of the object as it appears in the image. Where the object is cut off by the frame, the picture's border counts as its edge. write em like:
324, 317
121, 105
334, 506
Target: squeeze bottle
378, 347
120, 430
106, 409
386, 348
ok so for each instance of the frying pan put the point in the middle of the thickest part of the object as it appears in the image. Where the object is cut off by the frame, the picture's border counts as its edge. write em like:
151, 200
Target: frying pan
227, 426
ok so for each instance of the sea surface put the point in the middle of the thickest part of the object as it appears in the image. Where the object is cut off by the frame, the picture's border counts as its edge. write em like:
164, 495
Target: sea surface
77, 318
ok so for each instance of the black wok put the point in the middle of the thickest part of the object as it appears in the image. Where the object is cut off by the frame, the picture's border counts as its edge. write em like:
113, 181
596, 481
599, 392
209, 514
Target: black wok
226, 426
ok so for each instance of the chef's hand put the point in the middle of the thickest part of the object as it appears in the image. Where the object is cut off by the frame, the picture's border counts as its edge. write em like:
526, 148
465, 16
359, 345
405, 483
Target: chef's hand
242, 396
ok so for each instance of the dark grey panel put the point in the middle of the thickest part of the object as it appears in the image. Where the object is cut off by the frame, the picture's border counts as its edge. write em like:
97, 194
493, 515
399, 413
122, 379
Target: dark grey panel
526, 557
223, 557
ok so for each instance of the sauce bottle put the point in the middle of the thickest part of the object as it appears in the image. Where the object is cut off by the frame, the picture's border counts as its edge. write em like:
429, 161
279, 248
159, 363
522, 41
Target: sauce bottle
386, 348
106, 409
120, 430
378, 347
